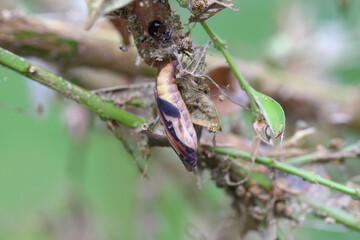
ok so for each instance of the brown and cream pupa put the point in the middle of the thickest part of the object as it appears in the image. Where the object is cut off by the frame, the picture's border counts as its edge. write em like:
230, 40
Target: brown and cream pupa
175, 116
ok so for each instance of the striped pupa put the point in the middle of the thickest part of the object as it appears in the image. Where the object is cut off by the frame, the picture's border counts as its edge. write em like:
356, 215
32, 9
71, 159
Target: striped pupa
174, 115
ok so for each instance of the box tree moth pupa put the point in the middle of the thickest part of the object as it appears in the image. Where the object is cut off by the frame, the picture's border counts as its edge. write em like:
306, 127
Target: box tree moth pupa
174, 115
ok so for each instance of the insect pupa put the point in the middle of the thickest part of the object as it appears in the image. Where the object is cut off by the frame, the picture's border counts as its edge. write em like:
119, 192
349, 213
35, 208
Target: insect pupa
175, 117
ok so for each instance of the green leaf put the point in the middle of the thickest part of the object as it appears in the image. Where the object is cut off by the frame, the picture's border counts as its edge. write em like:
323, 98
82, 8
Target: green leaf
270, 123
279, 232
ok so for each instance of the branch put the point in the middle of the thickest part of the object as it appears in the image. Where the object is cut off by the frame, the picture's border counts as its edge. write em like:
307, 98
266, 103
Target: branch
67, 44
351, 151
339, 215
306, 175
93, 102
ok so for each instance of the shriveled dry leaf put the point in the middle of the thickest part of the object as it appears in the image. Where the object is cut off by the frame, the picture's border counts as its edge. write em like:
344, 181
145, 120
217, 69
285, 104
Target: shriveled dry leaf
99, 8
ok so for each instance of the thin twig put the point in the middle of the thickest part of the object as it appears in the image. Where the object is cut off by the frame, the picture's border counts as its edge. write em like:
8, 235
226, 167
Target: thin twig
67, 43
306, 175
351, 151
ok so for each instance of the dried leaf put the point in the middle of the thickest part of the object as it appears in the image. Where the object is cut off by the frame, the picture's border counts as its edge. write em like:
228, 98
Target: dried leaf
195, 91
201, 107
99, 8
204, 9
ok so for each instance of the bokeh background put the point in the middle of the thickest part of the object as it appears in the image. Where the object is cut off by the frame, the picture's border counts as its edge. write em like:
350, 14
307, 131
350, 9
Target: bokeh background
58, 181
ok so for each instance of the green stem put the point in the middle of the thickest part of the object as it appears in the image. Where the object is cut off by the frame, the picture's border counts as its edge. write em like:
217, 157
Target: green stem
339, 215
306, 175
221, 45
261, 104
93, 102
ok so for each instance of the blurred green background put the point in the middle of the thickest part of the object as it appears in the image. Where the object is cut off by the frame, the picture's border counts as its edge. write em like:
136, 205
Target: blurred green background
56, 186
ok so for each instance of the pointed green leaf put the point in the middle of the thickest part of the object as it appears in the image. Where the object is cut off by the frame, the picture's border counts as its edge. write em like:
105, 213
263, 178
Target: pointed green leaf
272, 117
279, 232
